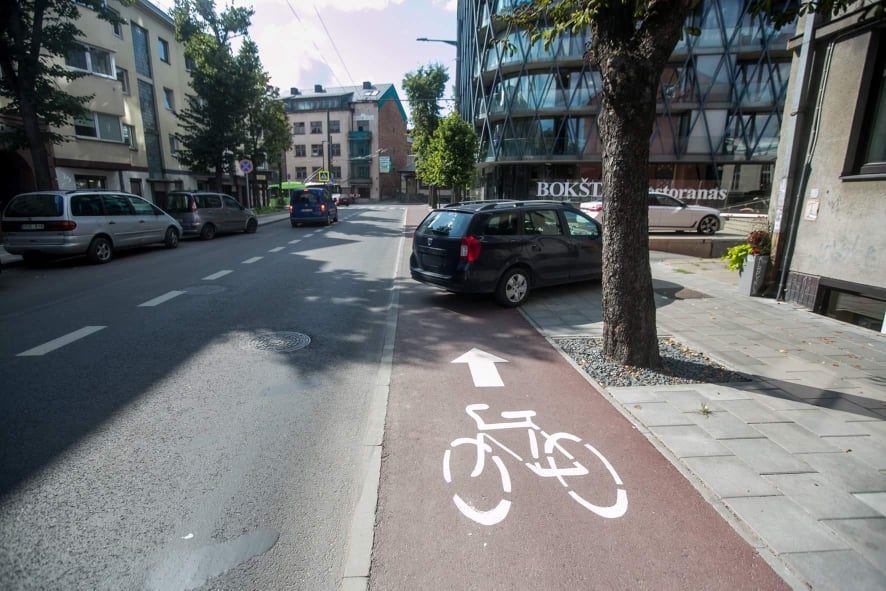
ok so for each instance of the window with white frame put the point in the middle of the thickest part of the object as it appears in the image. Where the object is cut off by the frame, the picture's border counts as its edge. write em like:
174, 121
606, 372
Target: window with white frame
123, 79
163, 49
117, 27
129, 137
91, 59
173, 145
168, 99
100, 126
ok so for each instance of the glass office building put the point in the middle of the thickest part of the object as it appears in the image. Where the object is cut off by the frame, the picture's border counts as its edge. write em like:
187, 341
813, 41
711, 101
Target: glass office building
720, 106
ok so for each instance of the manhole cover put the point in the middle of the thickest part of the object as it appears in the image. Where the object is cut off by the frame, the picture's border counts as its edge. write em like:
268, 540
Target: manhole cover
204, 289
278, 342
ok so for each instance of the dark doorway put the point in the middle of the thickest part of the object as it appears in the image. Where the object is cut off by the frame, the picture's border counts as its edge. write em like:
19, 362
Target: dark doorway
17, 177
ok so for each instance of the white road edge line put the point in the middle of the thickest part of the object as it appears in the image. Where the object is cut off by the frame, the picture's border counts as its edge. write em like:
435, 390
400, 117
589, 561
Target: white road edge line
160, 299
278, 249
61, 341
218, 275
362, 530
252, 260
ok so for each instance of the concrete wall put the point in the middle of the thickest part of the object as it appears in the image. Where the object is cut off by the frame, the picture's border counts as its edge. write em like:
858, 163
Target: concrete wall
847, 241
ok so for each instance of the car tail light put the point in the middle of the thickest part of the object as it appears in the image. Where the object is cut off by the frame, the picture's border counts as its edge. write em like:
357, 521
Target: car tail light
322, 207
62, 226
595, 207
469, 250
193, 206
290, 208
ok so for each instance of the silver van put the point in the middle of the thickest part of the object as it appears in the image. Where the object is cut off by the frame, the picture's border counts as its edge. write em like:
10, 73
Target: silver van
95, 223
208, 214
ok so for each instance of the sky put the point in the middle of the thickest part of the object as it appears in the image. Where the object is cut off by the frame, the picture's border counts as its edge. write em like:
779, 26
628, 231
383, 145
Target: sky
376, 40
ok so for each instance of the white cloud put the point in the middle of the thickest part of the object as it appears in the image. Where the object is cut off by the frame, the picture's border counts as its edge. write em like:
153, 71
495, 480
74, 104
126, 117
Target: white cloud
447, 5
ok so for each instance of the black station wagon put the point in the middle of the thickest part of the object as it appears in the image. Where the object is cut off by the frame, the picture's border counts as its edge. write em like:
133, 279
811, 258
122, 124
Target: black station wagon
506, 248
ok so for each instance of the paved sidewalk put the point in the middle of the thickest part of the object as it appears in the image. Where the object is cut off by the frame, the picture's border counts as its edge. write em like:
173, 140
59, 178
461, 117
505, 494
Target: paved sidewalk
799, 453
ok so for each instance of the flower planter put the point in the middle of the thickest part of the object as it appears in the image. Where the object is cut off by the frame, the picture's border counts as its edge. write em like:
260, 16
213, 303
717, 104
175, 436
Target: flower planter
753, 275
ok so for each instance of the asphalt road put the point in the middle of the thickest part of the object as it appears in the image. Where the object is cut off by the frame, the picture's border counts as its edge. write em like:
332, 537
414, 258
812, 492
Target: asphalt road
164, 450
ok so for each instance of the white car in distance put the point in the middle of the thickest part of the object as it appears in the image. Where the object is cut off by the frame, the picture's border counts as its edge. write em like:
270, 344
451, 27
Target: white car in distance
669, 214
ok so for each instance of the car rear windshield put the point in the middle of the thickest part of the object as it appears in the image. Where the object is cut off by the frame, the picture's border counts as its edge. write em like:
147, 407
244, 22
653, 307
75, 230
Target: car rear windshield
177, 202
304, 198
37, 206
445, 223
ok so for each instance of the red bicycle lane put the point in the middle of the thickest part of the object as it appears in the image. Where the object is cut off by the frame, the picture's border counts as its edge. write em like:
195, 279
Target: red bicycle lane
531, 518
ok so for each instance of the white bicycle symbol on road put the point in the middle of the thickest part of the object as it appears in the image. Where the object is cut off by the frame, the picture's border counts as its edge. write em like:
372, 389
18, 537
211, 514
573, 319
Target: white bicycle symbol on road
523, 419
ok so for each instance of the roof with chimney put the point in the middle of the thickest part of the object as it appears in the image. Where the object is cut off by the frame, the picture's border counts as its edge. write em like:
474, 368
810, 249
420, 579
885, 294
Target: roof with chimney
367, 92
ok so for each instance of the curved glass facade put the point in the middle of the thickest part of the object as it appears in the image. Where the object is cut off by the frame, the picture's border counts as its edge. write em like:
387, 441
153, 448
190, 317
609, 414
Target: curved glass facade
534, 108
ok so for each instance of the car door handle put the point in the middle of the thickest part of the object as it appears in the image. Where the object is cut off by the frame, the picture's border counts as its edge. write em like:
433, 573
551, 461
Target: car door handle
112, 222
141, 221
536, 248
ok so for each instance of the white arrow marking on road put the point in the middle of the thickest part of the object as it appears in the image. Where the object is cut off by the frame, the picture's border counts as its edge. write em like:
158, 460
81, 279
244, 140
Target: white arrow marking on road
482, 366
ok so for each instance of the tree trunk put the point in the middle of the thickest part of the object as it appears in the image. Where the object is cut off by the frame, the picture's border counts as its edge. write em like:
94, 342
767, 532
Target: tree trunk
630, 59
218, 176
39, 154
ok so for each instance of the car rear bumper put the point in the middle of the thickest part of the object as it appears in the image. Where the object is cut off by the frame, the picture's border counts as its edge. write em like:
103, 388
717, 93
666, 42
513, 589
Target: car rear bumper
64, 245
461, 281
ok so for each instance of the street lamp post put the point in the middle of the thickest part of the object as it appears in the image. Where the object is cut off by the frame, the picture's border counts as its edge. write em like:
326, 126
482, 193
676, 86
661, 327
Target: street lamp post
453, 43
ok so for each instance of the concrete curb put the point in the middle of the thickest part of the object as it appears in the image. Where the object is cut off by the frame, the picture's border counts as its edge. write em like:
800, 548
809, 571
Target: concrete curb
361, 535
781, 568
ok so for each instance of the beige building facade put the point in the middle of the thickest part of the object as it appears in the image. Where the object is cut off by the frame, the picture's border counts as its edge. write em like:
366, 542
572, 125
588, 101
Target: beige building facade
138, 77
828, 202
358, 133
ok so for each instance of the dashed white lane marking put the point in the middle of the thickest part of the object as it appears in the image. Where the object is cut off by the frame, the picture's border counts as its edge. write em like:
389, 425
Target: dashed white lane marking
218, 275
278, 249
252, 260
294, 241
61, 341
160, 299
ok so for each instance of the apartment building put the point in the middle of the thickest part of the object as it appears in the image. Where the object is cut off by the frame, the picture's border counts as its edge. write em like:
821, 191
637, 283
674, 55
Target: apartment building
829, 202
358, 133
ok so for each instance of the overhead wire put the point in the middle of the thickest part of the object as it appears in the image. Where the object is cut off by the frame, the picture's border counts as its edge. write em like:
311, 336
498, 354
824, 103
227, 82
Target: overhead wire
334, 46
314, 43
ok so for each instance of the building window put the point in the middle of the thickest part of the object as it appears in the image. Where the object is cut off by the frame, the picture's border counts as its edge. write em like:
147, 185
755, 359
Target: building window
300, 150
168, 99
141, 50
872, 139
163, 49
135, 186
99, 126
173, 145
336, 172
129, 137
316, 149
301, 172
117, 27
298, 128
123, 79
190, 64
335, 126
316, 127
90, 182
336, 149
315, 170
90, 59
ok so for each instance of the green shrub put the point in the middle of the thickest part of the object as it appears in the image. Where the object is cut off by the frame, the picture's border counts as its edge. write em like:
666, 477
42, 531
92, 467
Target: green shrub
736, 256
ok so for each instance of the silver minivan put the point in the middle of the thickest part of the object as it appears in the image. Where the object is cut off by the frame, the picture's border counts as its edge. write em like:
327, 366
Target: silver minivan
84, 221
208, 214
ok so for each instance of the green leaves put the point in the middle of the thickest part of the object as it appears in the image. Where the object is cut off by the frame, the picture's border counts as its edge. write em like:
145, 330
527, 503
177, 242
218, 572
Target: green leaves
424, 89
451, 153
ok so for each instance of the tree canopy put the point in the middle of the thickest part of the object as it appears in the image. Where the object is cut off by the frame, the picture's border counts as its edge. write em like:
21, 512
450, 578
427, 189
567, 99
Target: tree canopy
451, 154
35, 39
424, 88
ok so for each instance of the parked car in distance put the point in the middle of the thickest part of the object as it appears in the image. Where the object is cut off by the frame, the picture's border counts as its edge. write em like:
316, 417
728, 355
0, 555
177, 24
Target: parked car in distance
85, 221
207, 214
312, 205
506, 247
342, 199
669, 214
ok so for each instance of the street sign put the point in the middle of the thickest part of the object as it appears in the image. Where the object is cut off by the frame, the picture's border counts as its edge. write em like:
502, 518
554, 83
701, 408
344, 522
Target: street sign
384, 164
245, 166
